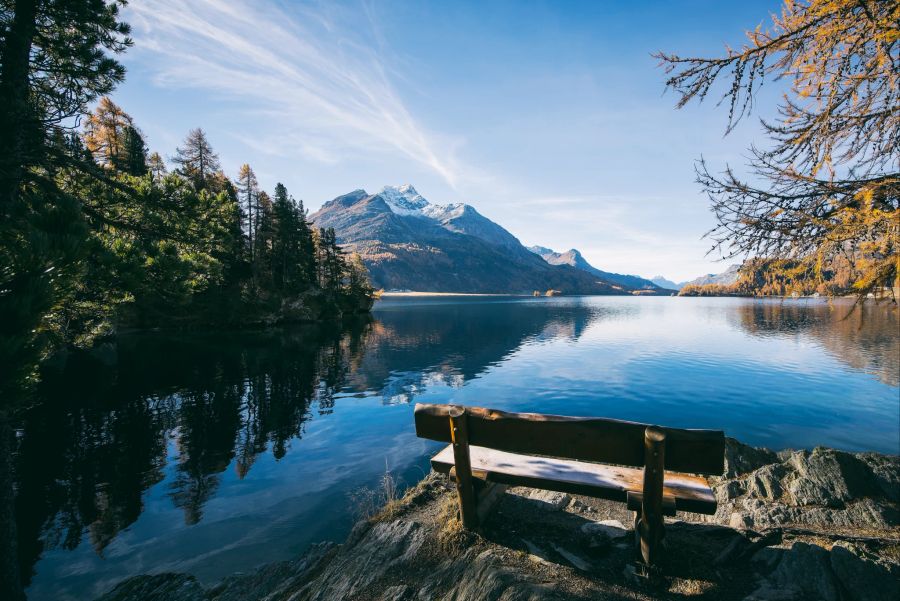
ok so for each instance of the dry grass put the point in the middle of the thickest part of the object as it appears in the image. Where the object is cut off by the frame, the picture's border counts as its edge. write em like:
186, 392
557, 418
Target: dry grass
380, 502
451, 536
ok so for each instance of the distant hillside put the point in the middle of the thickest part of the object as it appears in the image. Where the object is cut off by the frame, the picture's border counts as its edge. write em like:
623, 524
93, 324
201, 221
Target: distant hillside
726, 278
408, 243
664, 283
574, 258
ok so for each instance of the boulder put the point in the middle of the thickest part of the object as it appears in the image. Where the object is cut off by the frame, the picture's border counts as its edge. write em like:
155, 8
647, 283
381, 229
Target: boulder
742, 459
864, 575
801, 572
173, 587
830, 478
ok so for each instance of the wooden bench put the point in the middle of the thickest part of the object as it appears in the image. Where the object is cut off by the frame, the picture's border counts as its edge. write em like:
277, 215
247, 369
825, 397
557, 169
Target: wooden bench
656, 471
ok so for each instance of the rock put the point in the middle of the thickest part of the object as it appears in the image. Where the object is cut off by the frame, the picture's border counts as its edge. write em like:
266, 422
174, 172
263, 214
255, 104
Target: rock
272, 580
386, 546
576, 561
767, 558
732, 550
765, 483
400, 592
830, 478
172, 587
550, 500
483, 578
865, 513
742, 459
885, 472
731, 489
823, 488
604, 531
864, 575
535, 553
803, 571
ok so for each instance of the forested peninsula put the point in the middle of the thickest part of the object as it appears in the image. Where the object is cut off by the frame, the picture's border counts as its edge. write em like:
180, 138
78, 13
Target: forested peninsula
99, 235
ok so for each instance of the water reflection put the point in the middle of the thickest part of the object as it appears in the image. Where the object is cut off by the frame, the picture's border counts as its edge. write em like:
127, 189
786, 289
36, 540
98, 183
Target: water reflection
414, 344
863, 337
103, 435
204, 453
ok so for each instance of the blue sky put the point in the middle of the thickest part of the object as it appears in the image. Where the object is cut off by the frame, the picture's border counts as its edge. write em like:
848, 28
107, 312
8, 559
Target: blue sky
548, 117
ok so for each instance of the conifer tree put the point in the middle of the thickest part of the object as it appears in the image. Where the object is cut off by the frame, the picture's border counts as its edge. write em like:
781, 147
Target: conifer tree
248, 195
105, 132
264, 240
156, 166
306, 248
286, 244
828, 186
196, 159
55, 59
135, 152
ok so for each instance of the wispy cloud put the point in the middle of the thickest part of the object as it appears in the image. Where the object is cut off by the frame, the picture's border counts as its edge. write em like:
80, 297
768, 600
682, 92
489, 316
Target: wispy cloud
319, 70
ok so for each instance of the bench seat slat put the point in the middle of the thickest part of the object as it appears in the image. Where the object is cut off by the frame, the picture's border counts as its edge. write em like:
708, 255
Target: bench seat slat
691, 493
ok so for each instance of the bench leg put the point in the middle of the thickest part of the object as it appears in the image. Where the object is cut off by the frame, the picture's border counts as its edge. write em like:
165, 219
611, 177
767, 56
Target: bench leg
468, 508
649, 526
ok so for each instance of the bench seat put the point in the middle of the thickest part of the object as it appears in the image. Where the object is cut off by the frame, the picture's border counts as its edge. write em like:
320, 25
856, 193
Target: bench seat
690, 493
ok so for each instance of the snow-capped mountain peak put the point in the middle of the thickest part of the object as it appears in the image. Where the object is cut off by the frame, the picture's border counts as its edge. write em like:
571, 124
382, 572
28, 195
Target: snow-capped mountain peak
404, 200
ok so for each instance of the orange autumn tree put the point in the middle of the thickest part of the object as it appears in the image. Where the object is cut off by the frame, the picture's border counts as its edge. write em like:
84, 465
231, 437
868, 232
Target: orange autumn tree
826, 190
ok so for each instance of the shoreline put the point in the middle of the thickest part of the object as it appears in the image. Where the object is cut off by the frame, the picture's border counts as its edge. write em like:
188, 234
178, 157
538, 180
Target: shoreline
412, 294
821, 524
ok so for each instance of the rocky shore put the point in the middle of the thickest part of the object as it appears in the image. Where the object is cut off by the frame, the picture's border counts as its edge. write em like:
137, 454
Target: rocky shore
793, 525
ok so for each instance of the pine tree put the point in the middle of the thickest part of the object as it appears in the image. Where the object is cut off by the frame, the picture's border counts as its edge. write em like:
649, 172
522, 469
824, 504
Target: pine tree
285, 247
332, 266
196, 158
306, 249
156, 166
248, 196
134, 152
264, 240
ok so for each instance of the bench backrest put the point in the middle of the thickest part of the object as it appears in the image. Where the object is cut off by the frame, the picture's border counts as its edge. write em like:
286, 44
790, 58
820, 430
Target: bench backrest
583, 438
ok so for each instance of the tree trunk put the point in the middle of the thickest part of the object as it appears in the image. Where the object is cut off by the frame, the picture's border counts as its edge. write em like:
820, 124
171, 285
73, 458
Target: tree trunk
10, 581
16, 118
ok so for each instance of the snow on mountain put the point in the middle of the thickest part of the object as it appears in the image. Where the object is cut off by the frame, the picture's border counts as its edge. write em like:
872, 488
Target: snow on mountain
404, 200
409, 243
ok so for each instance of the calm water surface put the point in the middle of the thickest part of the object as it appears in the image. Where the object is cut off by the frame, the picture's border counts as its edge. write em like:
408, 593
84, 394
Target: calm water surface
211, 454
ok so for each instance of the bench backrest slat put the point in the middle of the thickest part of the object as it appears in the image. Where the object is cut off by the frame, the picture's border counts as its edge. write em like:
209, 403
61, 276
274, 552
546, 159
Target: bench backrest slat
583, 438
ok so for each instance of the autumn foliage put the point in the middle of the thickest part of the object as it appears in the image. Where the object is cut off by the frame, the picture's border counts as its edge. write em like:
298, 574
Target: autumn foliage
824, 197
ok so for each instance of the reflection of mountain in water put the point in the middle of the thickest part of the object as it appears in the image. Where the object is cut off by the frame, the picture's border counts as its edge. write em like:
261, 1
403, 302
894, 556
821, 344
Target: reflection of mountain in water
450, 344
103, 436
864, 338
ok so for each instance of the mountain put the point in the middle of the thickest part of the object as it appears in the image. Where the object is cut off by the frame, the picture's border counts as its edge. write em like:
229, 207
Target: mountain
408, 243
726, 278
664, 283
575, 259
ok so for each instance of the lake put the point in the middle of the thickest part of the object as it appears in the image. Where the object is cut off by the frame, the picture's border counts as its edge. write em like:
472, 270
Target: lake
214, 453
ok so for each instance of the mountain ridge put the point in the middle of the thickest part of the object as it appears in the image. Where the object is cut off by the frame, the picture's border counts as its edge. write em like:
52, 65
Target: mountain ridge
574, 258
724, 278
408, 243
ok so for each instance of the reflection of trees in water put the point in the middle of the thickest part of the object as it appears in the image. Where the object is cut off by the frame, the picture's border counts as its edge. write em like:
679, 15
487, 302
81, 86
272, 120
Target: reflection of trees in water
865, 338
99, 439
102, 436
